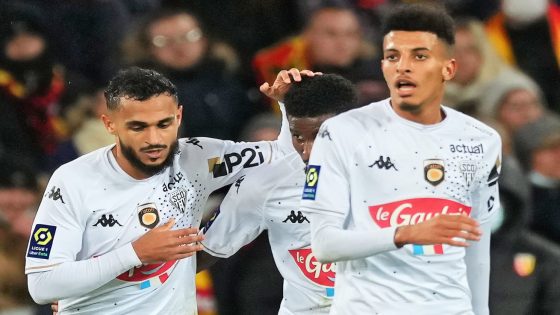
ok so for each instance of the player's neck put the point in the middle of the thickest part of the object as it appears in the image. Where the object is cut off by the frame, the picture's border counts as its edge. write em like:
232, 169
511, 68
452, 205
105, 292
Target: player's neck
126, 166
427, 114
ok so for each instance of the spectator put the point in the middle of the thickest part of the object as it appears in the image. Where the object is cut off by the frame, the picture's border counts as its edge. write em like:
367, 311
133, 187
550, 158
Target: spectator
525, 33
175, 43
331, 42
18, 198
33, 87
525, 268
479, 66
514, 100
538, 147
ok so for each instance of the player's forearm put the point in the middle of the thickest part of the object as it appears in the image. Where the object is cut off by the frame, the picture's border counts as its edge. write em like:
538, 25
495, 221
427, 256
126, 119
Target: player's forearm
76, 278
331, 243
477, 259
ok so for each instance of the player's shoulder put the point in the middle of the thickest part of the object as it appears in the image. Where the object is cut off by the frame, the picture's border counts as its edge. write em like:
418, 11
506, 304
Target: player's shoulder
274, 175
471, 126
83, 168
361, 118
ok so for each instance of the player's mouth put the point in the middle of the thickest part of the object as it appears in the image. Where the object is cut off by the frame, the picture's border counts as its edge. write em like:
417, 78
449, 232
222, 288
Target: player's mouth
405, 87
154, 154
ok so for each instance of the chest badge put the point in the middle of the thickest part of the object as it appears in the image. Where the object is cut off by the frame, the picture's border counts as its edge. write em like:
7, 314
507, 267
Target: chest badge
434, 171
148, 215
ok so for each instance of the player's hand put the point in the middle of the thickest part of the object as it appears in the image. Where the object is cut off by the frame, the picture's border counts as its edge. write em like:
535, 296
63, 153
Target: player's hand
161, 244
54, 307
283, 81
447, 229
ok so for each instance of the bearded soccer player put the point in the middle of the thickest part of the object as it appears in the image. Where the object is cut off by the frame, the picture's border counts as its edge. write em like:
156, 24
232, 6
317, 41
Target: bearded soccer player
396, 175
116, 229
269, 200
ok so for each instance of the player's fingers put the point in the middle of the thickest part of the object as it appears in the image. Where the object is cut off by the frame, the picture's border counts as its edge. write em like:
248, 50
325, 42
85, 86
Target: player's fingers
168, 225
295, 74
285, 76
265, 87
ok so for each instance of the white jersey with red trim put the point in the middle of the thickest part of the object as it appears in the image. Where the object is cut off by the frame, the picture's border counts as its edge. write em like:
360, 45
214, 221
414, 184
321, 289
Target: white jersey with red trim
377, 170
269, 199
91, 207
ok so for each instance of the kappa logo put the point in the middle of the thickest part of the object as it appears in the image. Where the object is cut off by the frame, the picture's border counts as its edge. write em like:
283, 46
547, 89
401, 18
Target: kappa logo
55, 194
194, 141
325, 134
384, 164
248, 157
434, 171
148, 215
107, 221
299, 218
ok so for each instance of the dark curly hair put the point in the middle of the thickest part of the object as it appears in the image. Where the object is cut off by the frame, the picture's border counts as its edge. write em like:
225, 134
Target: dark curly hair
421, 17
320, 95
137, 84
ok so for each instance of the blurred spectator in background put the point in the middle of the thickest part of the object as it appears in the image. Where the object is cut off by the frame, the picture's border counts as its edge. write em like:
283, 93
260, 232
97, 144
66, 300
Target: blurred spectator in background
33, 87
174, 43
527, 34
332, 42
19, 195
514, 100
478, 65
86, 131
88, 33
537, 146
248, 283
525, 268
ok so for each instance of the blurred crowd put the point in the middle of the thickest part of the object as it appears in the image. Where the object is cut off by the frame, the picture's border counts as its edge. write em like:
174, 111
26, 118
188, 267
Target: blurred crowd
57, 56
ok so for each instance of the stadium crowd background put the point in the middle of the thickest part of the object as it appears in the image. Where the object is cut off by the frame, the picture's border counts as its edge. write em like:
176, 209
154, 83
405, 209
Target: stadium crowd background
57, 56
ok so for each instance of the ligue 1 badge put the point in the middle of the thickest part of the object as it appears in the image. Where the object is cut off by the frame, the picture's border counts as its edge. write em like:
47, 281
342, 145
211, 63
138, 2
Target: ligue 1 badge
434, 171
148, 215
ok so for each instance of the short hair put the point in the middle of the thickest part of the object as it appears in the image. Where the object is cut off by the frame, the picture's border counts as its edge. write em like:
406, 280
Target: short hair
320, 95
421, 17
138, 84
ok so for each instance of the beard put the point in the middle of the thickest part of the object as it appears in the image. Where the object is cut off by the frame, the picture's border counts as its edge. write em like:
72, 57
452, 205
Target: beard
149, 170
407, 107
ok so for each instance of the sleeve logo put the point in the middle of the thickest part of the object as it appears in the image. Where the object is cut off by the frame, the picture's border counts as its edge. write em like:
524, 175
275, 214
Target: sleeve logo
41, 241
311, 182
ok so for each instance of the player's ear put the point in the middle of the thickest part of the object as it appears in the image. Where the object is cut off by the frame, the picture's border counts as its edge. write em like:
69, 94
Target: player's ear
449, 69
179, 115
109, 124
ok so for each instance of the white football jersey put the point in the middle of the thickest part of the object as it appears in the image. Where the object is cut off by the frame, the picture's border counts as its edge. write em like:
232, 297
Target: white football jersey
269, 199
91, 206
377, 170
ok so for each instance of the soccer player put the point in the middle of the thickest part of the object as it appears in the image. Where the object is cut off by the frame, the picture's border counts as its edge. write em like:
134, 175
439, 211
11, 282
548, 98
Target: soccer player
388, 167
269, 200
116, 229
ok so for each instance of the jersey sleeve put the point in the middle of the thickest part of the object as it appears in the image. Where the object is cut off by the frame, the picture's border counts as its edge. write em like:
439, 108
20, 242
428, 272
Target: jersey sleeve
486, 199
327, 189
57, 231
224, 161
239, 219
